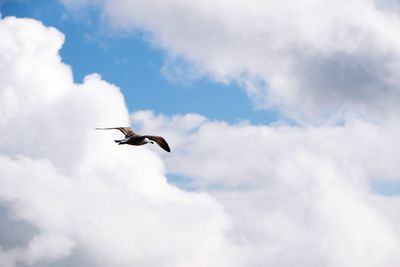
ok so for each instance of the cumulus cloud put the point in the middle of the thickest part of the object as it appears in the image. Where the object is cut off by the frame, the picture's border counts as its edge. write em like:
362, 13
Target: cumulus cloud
276, 195
243, 154
312, 59
295, 196
71, 186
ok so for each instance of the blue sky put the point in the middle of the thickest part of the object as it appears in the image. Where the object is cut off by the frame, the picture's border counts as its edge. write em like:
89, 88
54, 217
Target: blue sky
136, 67
130, 62
323, 191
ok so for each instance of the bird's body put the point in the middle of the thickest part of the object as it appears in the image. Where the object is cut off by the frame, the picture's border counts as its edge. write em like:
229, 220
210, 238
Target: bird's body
132, 138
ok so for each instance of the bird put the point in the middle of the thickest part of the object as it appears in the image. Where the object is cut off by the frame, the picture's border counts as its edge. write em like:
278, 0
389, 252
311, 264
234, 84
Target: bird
132, 138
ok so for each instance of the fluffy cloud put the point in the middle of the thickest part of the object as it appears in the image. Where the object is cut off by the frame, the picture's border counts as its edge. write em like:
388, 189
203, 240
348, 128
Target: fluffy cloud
295, 195
72, 186
313, 59
275, 195
244, 154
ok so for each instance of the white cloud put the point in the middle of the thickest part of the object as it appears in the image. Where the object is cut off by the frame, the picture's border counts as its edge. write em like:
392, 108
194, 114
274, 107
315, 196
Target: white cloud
313, 59
72, 184
278, 195
296, 196
244, 154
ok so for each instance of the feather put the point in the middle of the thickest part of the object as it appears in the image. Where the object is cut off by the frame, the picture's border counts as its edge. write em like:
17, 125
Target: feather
160, 141
127, 131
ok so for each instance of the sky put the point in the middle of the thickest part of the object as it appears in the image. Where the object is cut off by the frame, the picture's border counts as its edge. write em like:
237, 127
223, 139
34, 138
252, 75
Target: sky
282, 118
129, 61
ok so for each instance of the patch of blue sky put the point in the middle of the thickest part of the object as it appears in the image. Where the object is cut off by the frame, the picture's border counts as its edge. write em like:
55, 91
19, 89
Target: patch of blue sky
136, 67
182, 182
386, 187
188, 184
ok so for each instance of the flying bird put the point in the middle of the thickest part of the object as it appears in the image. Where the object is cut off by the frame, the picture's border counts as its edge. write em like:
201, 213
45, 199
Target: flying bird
132, 138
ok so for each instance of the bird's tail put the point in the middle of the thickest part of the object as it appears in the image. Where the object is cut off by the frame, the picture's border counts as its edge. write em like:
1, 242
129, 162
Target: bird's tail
119, 142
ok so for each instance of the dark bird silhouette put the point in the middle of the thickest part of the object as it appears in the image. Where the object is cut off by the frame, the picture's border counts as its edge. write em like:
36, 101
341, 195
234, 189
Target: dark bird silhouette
132, 138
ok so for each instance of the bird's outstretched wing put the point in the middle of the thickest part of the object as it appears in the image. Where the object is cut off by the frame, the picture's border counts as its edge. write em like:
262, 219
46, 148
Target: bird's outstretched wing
160, 141
127, 131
